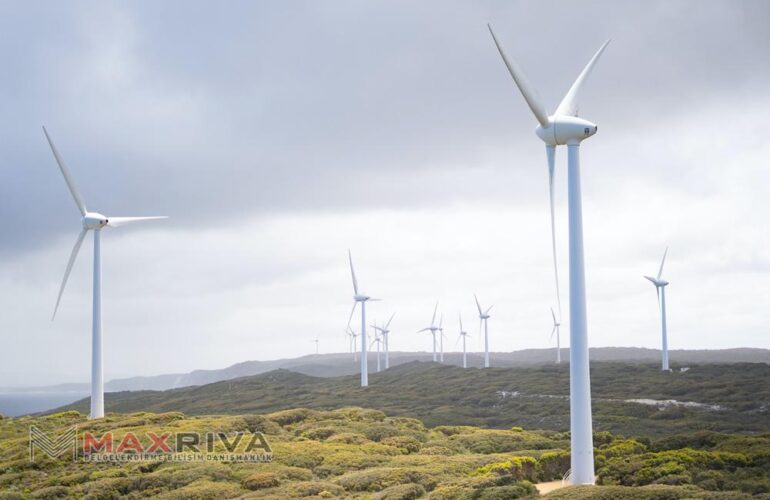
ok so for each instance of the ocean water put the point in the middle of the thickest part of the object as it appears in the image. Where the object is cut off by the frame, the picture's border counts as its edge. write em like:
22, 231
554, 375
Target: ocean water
14, 404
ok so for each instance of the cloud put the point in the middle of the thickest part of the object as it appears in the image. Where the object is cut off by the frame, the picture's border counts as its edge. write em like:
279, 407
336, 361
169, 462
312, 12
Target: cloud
276, 136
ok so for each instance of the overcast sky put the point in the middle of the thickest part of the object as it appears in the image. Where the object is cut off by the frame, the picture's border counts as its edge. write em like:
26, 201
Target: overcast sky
276, 135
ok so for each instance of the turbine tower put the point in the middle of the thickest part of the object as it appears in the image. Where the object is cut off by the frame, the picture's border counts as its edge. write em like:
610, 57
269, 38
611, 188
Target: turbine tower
463, 335
432, 329
441, 338
352, 336
91, 221
565, 128
660, 288
316, 345
360, 297
385, 333
483, 318
556, 325
377, 340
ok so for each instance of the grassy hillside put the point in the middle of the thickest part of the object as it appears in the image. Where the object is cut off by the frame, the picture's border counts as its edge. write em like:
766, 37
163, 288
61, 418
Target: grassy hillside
359, 453
340, 364
535, 397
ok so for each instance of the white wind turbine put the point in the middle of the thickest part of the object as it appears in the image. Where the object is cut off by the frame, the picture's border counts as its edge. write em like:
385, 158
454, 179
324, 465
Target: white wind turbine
441, 338
463, 335
385, 333
432, 329
483, 319
564, 127
555, 330
352, 345
91, 221
377, 340
660, 288
360, 297
316, 345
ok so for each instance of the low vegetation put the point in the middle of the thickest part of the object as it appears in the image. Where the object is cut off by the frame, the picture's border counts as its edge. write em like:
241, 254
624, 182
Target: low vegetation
732, 398
363, 453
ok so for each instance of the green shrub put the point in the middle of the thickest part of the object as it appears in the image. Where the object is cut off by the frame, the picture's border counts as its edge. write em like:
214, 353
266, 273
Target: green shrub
553, 465
260, 423
406, 444
517, 467
286, 417
51, 492
519, 490
347, 438
314, 488
400, 492
261, 480
203, 490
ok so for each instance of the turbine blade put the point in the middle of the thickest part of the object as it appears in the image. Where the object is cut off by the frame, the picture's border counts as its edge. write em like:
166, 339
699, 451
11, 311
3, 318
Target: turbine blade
424, 330
529, 93
353, 273
660, 271
67, 177
554, 316
652, 280
487, 311
458, 340
441, 321
461, 322
122, 221
73, 256
433, 319
568, 105
552, 332
551, 153
387, 325
352, 311
477, 304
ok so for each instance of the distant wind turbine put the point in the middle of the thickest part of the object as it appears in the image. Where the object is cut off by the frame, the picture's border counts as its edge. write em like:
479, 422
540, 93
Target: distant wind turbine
432, 329
565, 128
441, 338
91, 221
360, 297
385, 332
463, 335
660, 289
556, 325
377, 340
483, 319
352, 345
316, 345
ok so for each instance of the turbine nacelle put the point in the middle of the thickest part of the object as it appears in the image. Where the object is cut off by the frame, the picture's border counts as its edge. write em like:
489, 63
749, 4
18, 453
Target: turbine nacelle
94, 220
657, 282
563, 130
361, 297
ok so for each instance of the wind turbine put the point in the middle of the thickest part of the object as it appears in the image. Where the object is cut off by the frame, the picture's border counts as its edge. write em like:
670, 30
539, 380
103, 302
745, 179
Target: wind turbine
432, 329
483, 319
556, 325
441, 338
316, 345
377, 340
463, 335
360, 297
385, 333
352, 342
660, 288
91, 221
564, 127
